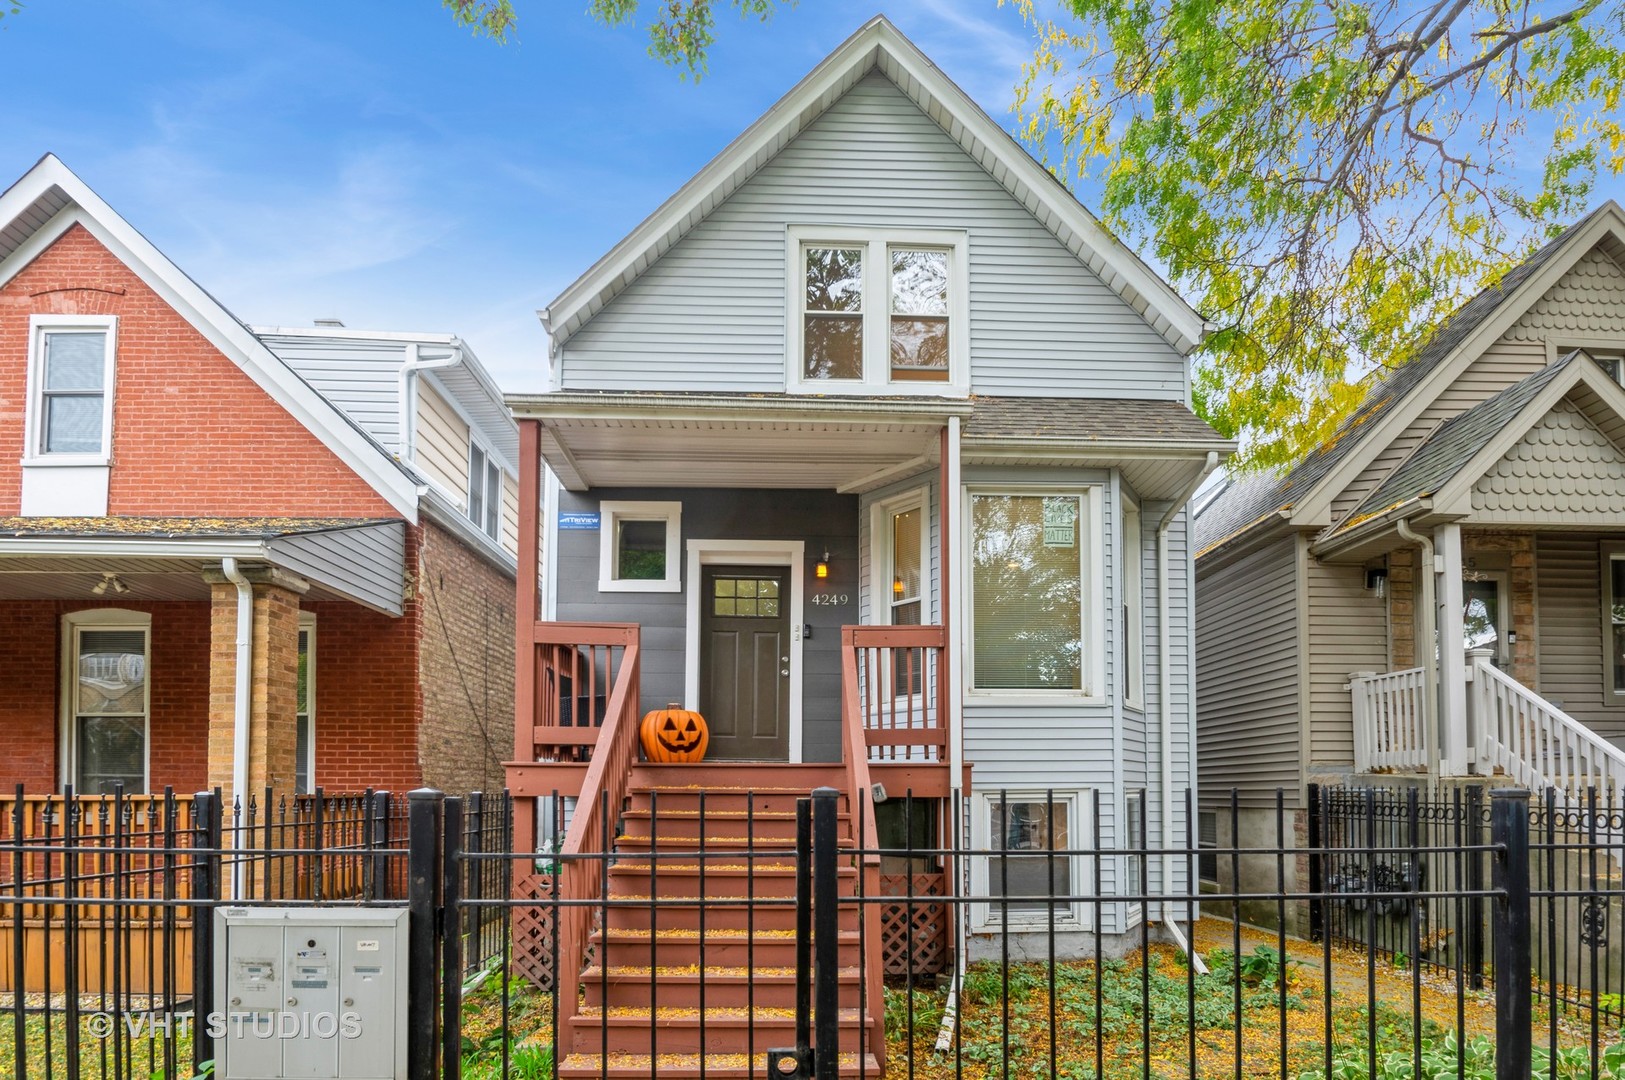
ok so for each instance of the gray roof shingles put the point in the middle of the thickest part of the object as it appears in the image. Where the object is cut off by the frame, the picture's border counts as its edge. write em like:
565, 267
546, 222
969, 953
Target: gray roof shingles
1260, 495
1456, 442
1089, 419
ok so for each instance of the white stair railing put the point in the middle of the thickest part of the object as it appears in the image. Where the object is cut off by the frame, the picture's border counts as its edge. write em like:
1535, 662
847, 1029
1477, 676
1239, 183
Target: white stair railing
1534, 742
1390, 720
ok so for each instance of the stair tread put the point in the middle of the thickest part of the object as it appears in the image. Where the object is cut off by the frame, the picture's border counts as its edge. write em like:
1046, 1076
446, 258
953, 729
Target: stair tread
722, 1015
711, 934
713, 973
678, 1065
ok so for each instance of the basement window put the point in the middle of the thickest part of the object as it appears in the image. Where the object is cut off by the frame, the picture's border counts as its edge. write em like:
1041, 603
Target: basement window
638, 546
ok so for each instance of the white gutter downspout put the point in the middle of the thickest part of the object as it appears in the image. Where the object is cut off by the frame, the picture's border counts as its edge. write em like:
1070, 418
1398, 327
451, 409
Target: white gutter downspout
1428, 648
241, 697
1165, 709
409, 393
948, 509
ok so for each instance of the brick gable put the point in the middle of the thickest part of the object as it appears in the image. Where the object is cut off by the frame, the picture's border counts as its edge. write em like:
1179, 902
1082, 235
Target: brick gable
192, 433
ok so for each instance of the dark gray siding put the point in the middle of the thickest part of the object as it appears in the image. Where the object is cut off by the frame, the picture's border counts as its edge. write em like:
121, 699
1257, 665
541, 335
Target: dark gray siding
822, 519
1247, 663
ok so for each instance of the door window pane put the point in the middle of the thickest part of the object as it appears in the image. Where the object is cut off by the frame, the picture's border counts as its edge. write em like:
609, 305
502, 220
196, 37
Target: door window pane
1616, 611
1027, 592
919, 314
1481, 614
110, 706
1029, 880
756, 598
832, 323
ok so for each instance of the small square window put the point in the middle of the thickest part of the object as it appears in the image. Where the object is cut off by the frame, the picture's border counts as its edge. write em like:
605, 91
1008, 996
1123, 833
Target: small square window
638, 547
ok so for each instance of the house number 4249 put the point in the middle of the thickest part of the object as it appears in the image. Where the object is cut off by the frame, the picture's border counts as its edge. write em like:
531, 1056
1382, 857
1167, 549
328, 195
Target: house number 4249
837, 599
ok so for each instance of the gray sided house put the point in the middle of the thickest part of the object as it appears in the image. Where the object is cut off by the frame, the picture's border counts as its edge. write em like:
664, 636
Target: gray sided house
1436, 594
881, 441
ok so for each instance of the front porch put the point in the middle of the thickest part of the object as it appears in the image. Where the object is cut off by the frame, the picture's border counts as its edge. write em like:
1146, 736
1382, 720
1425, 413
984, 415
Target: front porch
1528, 678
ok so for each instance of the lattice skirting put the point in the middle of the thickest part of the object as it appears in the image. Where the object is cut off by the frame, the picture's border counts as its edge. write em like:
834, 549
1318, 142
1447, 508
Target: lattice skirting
914, 938
533, 931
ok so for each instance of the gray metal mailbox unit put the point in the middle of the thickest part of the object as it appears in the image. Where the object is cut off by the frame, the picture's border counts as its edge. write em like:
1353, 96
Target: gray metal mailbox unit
310, 992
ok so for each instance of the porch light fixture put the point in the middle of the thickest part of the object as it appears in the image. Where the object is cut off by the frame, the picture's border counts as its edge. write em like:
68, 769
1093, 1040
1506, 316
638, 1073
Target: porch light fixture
897, 586
821, 571
109, 580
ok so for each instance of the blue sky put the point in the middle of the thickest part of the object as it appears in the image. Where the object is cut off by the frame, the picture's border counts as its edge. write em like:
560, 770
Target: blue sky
373, 162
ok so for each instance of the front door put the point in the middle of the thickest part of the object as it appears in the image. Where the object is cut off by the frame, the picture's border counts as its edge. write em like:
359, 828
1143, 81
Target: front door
1484, 615
745, 662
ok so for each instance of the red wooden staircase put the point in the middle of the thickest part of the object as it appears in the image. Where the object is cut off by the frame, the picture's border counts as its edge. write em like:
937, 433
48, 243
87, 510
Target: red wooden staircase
694, 952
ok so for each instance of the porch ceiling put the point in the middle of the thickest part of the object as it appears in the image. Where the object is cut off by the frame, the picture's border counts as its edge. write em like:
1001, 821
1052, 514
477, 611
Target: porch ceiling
772, 442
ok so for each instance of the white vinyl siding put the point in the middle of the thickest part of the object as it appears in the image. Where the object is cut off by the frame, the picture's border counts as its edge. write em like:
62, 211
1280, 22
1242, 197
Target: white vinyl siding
710, 314
510, 515
363, 378
442, 450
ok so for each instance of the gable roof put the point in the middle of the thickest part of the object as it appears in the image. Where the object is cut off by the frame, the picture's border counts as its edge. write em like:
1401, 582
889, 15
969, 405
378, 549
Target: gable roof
1457, 441
880, 46
49, 199
1261, 496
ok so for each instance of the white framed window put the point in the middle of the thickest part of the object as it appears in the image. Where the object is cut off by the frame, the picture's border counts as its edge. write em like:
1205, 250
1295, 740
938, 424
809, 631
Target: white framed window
639, 545
1134, 862
873, 311
1027, 863
1132, 622
1613, 362
901, 560
1613, 620
484, 491
70, 389
106, 700
1036, 602
305, 707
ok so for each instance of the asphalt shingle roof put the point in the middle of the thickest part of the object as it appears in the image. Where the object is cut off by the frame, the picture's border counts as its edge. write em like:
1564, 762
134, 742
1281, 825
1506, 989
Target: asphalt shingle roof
1456, 442
1262, 494
169, 528
1086, 419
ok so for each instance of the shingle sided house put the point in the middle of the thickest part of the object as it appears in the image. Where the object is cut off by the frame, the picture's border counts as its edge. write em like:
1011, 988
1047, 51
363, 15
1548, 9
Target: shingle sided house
874, 448
1438, 592
232, 556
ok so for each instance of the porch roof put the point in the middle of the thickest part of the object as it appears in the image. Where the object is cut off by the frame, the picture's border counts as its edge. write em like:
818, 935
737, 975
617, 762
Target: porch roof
851, 443
620, 439
164, 558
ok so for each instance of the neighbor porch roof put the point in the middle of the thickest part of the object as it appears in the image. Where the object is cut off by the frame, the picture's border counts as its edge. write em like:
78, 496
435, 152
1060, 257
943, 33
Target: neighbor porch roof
163, 558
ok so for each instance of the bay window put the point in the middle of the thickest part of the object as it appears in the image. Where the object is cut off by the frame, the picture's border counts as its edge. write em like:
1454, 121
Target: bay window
1032, 588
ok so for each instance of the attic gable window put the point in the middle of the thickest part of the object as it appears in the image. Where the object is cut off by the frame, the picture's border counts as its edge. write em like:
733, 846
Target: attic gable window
70, 404
875, 312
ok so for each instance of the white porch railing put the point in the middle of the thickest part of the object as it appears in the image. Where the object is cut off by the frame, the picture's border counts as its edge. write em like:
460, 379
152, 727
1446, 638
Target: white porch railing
1534, 742
1390, 720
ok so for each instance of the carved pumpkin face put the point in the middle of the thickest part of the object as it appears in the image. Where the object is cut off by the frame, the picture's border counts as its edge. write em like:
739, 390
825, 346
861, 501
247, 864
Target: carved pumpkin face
674, 734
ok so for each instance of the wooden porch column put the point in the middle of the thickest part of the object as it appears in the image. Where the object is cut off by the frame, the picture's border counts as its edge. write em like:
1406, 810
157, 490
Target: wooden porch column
524, 690
1453, 748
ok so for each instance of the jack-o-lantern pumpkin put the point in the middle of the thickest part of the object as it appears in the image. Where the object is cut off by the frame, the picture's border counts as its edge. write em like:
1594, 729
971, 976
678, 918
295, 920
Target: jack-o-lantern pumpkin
674, 734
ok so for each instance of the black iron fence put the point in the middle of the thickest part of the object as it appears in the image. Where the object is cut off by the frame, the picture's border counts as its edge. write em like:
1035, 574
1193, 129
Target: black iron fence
759, 934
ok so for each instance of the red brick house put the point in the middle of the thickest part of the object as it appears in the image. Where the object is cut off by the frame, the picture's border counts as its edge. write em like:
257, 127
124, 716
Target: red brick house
237, 557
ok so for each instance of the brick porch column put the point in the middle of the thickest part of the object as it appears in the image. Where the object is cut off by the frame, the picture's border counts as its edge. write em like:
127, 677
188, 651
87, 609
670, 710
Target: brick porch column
273, 685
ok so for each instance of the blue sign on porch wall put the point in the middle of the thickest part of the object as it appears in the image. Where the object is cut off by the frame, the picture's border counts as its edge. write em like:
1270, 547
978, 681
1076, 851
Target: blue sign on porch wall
578, 520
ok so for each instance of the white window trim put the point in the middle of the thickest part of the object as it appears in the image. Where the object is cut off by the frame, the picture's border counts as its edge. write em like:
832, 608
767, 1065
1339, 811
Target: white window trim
880, 557
1611, 552
1091, 563
307, 626
1128, 882
1132, 554
790, 553
877, 308
609, 513
100, 619
38, 327
986, 916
